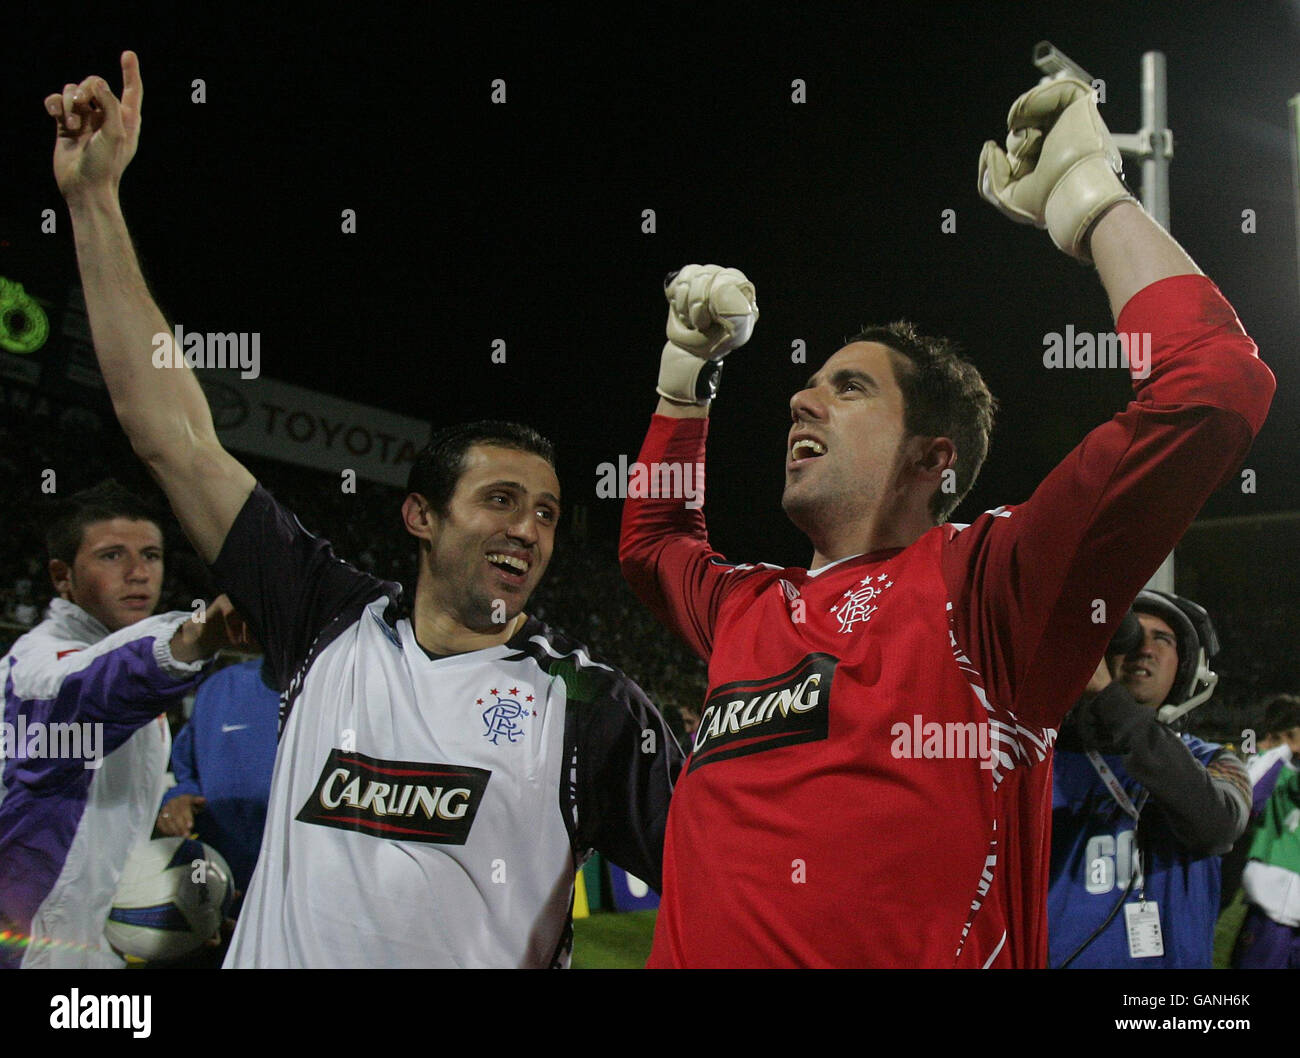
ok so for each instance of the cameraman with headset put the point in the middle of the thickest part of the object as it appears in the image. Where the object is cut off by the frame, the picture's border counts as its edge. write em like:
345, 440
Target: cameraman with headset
1141, 813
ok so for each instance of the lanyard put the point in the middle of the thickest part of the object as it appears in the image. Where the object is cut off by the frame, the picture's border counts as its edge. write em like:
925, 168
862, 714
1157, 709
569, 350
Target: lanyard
1122, 799
1112, 784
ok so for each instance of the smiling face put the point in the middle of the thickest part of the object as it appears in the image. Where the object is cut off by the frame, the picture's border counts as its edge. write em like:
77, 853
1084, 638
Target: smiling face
117, 574
1149, 671
845, 448
487, 554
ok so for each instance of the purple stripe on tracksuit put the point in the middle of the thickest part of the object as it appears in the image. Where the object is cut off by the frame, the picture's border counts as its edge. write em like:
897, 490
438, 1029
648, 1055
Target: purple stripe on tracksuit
45, 797
1264, 944
1263, 789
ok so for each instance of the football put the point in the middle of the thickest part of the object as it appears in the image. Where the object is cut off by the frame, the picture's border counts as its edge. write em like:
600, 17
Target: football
173, 895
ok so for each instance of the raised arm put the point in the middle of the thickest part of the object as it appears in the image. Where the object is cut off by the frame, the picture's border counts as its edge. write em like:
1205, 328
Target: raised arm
162, 409
1027, 581
664, 550
1132, 251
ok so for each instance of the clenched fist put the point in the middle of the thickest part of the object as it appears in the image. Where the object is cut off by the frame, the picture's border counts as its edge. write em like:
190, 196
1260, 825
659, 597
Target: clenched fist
711, 311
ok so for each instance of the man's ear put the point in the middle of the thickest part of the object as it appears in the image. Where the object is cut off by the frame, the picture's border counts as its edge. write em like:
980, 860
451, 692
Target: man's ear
937, 455
61, 577
419, 517
927, 458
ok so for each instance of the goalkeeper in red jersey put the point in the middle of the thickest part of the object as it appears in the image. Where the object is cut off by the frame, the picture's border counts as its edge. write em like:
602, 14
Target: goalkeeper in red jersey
871, 783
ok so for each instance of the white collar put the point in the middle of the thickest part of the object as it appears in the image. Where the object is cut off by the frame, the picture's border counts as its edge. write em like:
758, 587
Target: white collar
72, 618
831, 565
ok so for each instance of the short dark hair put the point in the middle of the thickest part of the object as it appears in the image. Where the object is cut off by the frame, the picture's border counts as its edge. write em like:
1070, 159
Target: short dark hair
943, 396
441, 462
1281, 714
100, 503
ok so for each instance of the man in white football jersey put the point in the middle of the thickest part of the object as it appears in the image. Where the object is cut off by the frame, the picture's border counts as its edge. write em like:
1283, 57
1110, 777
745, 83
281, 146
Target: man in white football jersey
443, 772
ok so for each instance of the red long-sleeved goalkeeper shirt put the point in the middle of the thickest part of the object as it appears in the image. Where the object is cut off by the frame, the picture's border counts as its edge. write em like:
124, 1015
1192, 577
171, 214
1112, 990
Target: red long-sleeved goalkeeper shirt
871, 781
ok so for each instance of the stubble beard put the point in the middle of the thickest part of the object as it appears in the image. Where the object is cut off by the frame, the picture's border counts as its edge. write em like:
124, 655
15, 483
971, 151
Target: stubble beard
478, 607
815, 513
472, 603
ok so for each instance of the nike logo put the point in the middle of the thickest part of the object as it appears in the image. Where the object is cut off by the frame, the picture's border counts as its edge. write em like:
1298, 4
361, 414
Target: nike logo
227, 728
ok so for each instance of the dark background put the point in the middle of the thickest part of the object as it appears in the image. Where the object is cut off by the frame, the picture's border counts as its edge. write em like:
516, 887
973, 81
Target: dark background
523, 221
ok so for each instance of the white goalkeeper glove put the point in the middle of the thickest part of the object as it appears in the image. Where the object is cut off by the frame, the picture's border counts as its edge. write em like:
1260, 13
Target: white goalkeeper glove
1061, 170
711, 311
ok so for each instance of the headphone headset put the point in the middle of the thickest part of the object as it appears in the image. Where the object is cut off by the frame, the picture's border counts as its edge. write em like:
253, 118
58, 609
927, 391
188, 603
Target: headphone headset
1194, 681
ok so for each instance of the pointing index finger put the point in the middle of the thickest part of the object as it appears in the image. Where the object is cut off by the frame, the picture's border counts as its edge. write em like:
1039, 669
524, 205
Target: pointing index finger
132, 85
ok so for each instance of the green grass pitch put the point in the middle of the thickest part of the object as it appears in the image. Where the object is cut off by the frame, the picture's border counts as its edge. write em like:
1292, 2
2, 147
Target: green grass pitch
609, 940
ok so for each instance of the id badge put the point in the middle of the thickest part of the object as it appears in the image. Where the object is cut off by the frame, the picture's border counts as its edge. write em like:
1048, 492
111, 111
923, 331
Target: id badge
1142, 923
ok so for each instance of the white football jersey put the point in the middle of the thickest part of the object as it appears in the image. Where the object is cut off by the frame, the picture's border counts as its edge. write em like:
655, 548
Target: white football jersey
429, 812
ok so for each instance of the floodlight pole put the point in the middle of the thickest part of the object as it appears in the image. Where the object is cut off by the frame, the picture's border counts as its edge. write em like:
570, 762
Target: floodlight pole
1293, 105
1153, 146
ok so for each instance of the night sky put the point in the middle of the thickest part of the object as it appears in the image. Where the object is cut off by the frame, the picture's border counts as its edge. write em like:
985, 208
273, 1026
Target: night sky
522, 221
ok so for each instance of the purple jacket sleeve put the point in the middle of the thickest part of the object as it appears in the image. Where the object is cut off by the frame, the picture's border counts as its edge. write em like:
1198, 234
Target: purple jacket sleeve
115, 686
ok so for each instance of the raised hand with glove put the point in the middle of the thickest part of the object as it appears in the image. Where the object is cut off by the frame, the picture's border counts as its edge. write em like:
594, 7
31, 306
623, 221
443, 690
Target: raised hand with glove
1060, 170
711, 311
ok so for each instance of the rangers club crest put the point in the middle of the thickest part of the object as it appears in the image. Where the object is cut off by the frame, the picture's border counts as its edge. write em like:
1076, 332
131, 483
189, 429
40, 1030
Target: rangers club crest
505, 718
858, 605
